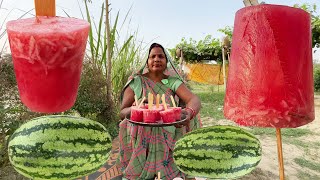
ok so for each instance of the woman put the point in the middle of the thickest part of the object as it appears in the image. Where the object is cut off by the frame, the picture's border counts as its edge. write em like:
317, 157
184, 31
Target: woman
145, 151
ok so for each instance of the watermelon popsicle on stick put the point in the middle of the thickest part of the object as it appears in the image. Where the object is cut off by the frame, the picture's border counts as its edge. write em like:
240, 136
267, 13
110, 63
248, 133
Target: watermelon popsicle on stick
150, 115
270, 81
47, 53
167, 115
177, 110
137, 111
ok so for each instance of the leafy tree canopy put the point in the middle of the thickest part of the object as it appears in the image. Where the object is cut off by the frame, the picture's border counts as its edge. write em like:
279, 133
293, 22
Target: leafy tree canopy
207, 49
315, 21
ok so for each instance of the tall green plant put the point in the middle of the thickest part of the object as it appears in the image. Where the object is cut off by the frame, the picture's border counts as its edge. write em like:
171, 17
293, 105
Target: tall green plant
3, 31
123, 54
128, 56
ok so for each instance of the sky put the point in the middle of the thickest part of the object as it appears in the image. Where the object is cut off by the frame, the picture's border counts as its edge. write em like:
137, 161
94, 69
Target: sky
165, 21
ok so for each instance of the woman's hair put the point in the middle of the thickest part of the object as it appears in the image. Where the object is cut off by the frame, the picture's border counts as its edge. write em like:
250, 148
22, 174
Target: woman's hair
153, 45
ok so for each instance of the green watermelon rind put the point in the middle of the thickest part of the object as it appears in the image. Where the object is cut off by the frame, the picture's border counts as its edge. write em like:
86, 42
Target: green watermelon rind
218, 152
59, 147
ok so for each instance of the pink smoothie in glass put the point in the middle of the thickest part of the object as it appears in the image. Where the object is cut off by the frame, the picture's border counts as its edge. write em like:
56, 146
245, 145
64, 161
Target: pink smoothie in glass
168, 116
47, 54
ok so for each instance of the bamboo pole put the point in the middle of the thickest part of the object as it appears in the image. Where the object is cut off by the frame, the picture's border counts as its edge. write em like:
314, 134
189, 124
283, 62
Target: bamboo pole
182, 62
280, 154
224, 68
225, 46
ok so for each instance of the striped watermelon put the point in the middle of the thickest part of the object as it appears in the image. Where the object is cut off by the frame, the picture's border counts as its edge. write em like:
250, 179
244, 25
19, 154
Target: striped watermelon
59, 147
217, 152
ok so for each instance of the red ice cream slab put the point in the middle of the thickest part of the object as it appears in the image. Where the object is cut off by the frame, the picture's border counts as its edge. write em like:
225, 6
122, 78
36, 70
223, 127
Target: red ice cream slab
159, 110
47, 54
136, 114
168, 116
270, 81
150, 116
177, 112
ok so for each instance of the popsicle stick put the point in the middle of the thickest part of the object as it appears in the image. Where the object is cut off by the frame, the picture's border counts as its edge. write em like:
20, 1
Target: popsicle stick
246, 3
136, 100
150, 101
173, 102
141, 102
250, 2
158, 175
254, 2
163, 98
158, 101
280, 154
45, 7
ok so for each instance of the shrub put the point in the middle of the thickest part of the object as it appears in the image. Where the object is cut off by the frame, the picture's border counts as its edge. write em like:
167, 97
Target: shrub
92, 100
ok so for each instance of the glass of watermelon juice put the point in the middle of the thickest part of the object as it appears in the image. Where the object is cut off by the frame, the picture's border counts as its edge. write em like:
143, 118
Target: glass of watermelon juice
47, 54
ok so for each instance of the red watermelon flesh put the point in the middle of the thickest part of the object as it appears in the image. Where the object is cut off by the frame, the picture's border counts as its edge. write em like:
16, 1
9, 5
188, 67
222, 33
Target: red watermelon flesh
150, 116
168, 116
47, 54
136, 114
177, 112
270, 81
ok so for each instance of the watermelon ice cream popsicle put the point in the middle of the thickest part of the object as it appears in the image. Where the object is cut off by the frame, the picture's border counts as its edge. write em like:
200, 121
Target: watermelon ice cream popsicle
151, 115
47, 54
177, 112
168, 116
270, 81
136, 114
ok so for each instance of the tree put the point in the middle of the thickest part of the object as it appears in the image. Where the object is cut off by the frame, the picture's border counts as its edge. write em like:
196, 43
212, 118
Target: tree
228, 30
206, 49
315, 22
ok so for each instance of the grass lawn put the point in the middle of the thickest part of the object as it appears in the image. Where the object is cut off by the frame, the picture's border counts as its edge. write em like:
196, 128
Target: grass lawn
212, 98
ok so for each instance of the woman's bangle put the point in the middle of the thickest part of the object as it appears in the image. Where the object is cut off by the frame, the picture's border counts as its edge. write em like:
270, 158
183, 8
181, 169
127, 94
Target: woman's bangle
193, 112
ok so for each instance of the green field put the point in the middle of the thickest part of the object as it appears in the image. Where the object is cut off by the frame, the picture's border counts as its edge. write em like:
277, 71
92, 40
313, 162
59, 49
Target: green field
212, 98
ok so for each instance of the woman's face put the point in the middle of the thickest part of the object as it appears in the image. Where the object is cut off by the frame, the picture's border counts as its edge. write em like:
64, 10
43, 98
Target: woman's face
157, 60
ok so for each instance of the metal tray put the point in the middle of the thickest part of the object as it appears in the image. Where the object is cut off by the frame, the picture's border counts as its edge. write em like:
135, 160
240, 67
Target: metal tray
158, 124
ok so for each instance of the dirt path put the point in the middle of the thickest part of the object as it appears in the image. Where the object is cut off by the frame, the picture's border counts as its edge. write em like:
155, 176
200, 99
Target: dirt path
301, 153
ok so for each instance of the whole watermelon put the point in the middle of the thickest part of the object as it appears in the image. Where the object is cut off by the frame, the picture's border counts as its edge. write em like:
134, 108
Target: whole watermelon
218, 152
59, 147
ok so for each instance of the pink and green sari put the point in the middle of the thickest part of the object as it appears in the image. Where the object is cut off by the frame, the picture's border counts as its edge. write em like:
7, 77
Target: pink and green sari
145, 151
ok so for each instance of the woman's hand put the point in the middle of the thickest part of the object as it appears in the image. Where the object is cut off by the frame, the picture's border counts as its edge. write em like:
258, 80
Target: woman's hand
128, 100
